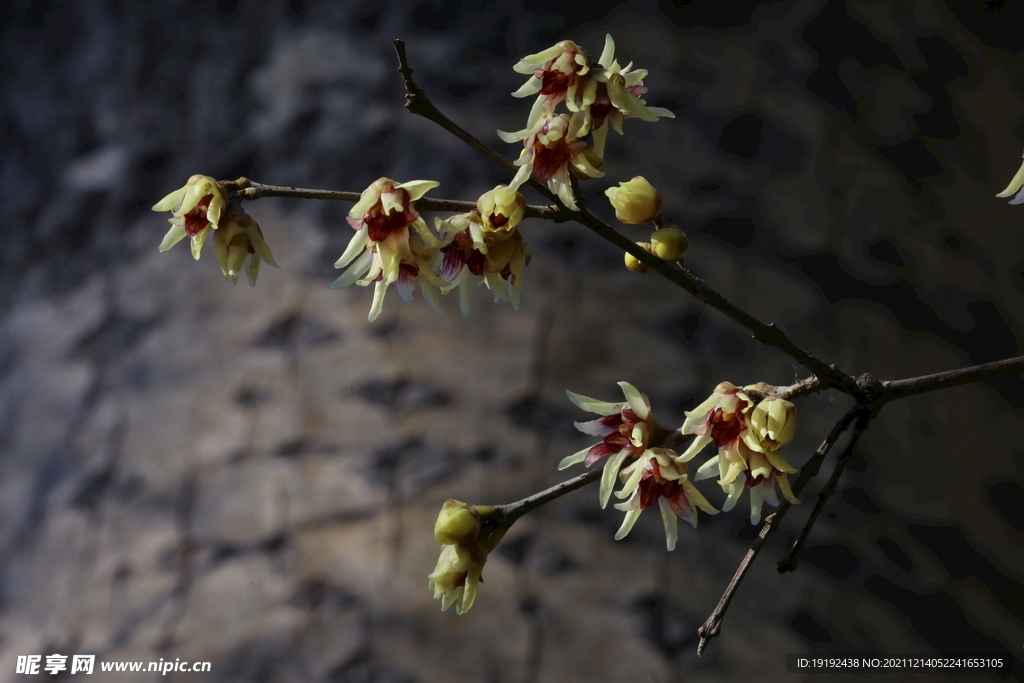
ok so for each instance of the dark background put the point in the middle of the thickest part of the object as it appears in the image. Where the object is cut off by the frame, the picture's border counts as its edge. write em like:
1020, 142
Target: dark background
249, 477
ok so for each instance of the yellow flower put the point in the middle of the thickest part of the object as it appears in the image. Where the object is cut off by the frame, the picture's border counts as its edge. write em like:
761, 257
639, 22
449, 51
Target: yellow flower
472, 252
609, 95
456, 576
501, 209
555, 73
238, 243
771, 425
550, 145
748, 437
659, 475
720, 420
195, 210
382, 218
625, 431
760, 479
415, 266
635, 201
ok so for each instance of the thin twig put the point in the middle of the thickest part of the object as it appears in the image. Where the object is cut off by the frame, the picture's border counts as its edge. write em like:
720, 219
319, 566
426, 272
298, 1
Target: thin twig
713, 625
249, 189
863, 418
942, 380
514, 511
417, 102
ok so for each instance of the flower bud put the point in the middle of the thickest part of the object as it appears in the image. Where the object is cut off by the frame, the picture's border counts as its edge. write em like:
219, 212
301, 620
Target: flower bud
635, 264
501, 208
771, 425
635, 202
456, 523
669, 244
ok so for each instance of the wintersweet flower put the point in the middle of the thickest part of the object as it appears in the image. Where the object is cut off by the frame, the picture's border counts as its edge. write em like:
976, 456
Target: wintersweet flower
238, 243
771, 425
659, 475
721, 420
760, 479
611, 94
625, 430
501, 209
472, 253
550, 145
555, 73
414, 268
382, 219
1014, 187
195, 210
457, 575
635, 201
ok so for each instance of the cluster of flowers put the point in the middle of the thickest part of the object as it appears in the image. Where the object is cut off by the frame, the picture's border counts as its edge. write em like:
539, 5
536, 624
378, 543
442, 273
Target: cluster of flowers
747, 433
748, 426
598, 95
202, 207
393, 245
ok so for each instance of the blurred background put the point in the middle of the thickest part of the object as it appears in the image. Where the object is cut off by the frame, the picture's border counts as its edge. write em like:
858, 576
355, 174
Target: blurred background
249, 477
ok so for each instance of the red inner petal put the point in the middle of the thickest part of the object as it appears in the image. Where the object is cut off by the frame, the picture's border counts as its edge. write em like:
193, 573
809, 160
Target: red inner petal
380, 225
548, 160
725, 430
601, 108
650, 492
196, 220
554, 82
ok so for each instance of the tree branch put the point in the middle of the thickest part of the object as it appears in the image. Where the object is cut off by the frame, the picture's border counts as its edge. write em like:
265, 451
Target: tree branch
250, 189
417, 102
513, 511
901, 388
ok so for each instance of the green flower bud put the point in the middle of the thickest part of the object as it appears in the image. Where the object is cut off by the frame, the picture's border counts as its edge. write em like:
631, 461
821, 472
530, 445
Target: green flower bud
456, 523
669, 244
635, 264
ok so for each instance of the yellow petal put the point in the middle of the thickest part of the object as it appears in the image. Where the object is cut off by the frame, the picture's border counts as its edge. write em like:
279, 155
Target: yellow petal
418, 188
170, 201
627, 523
636, 400
671, 523
608, 476
173, 236
1012, 188
199, 240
